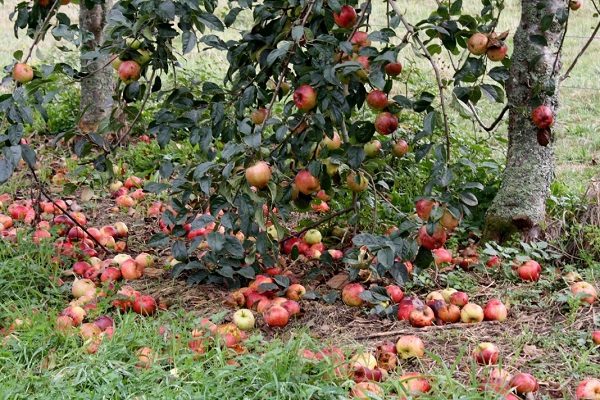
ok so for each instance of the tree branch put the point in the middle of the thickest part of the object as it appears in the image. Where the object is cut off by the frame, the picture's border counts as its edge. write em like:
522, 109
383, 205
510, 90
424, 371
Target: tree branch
583, 49
436, 70
321, 221
42, 29
496, 121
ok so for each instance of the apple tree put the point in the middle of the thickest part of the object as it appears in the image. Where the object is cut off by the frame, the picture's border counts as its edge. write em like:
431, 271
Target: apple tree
309, 111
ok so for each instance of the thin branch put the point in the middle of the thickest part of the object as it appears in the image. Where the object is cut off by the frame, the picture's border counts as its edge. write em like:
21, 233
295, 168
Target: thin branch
320, 222
42, 29
43, 191
583, 49
496, 121
560, 46
139, 114
436, 70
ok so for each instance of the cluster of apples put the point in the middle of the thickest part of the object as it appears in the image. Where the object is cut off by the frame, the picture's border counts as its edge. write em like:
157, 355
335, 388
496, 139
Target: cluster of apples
263, 295
130, 63
128, 193
440, 307
490, 44
113, 269
433, 236
367, 369
310, 245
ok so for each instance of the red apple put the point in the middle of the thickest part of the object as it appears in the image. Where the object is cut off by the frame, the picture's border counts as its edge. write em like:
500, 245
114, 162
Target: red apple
295, 291
395, 292
400, 148
276, 316
575, 5
22, 73
393, 69
129, 71
588, 389
83, 287
406, 305
306, 183
524, 383
80, 267
410, 346
495, 310
288, 245
414, 384
493, 262
377, 99
432, 241
584, 291
360, 39
386, 123
596, 337
305, 98
441, 256
104, 322
144, 305
471, 313
292, 307
421, 317
542, 117
346, 18
530, 271
459, 298
351, 294
486, 353
110, 274
258, 175
497, 53
477, 44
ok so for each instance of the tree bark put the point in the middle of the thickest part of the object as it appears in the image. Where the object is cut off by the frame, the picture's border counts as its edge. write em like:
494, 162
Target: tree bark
520, 204
96, 89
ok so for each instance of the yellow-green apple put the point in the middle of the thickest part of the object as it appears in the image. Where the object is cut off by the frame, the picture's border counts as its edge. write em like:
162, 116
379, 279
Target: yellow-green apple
366, 391
410, 346
446, 293
295, 291
372, 148
357, 182
365, 360
313, 236
244, 319
478, 44
332, 143
471, 313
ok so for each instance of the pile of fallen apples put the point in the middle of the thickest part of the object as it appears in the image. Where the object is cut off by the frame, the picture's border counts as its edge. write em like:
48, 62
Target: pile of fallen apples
367, 369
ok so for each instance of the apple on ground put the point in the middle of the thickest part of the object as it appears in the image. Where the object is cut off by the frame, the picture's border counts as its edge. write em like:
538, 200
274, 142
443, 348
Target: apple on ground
530, 271
366, 391
244, 319
395, 293
276, 316
596, 337
414, 384
406, 305
410, 346
459, 298
421, 317
588, 389
471, 313
351, 294
448, 313
584, 291
495, 310
524, 383
441, 256
486, 353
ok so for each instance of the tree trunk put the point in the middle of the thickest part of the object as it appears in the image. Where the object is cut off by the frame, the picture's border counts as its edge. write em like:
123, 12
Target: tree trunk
520, 205
96, 89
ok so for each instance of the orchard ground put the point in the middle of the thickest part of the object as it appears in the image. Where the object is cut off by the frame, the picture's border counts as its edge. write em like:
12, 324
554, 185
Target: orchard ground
547, 333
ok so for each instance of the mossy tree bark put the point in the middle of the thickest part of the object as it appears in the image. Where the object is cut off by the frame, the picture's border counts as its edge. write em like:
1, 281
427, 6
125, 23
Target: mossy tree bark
97, 88
520, 205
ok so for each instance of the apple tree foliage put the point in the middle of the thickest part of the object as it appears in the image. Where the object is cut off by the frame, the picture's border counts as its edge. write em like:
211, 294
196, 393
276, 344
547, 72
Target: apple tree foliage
287, 44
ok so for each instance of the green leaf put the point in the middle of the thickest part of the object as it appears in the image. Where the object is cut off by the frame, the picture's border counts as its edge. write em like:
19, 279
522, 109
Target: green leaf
468, 199
188, 41
211, 21
540, 40
494, 92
